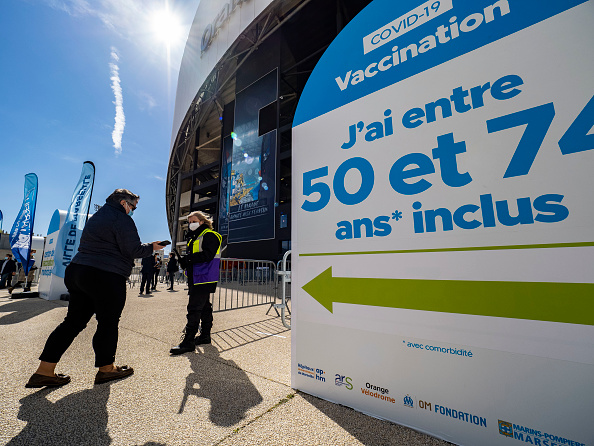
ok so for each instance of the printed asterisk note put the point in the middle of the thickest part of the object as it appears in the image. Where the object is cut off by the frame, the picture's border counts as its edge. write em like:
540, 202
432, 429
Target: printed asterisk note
396, 215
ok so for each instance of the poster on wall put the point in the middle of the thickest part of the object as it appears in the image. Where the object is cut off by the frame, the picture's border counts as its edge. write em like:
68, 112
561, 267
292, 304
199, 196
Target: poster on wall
443, 246
226, 165
252, 182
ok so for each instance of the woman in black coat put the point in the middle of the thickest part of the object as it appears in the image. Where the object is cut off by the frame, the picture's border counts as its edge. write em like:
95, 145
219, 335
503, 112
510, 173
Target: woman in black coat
96, 280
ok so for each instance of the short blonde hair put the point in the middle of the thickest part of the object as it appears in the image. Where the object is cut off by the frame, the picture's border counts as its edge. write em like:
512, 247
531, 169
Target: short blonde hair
207, 219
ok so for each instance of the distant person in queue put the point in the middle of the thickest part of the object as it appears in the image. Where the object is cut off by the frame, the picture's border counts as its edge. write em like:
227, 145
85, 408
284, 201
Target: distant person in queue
8, 269
96, 280
157, 270
146, 271
171, 270
21, 278
202, 268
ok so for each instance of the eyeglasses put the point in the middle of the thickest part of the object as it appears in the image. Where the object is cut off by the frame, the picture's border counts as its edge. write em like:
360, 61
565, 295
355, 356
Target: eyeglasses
131, 205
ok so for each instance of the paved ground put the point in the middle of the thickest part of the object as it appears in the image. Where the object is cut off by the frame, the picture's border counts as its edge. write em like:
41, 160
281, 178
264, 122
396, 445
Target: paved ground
236, 391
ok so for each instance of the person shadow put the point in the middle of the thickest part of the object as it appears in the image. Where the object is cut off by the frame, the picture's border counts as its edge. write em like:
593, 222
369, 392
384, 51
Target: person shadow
23, 310
230, 391
78, 418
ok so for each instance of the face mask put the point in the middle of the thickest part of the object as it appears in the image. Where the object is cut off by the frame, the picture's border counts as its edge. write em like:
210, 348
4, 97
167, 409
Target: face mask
5, 258
194, 226
131, 213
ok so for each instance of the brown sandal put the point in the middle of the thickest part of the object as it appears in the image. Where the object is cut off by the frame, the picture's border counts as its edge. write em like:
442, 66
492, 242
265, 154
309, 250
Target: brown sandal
38, 380
120, 372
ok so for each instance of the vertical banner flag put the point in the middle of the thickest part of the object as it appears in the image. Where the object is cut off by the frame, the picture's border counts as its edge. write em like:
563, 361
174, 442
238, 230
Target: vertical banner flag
443, 245
69, 237
252, 189
1, 219
22, 230
226, 168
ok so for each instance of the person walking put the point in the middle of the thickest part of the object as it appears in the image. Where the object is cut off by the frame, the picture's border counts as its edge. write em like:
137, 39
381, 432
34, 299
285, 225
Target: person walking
202, 268
7, 270
171, 270
96, 280
148, 267
157, 270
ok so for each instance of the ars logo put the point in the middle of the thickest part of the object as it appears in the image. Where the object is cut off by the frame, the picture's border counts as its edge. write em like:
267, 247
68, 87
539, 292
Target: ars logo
341, 380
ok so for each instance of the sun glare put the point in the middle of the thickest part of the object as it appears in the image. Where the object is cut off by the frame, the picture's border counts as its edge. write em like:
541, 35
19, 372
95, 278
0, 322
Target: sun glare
166, 27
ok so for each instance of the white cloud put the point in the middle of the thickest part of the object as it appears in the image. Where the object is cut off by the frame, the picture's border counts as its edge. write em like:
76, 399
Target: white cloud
157, 177
70, 159
147, 102
120, 118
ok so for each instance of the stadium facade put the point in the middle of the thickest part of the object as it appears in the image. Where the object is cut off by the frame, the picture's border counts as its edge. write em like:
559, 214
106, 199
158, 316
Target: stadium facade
243, 70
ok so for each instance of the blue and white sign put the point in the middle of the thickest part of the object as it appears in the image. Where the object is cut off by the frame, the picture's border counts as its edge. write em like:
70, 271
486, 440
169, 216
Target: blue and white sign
51, 287
69, 236
443, 255
22, 229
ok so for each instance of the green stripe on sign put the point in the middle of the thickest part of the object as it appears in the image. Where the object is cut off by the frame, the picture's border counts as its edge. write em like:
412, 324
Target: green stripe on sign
571, 303
469, 248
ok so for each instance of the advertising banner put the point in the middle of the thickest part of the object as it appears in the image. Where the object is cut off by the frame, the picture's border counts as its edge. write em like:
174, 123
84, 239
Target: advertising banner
22, 229
69, 236
51, 286
252, 185
226, 166
443, 260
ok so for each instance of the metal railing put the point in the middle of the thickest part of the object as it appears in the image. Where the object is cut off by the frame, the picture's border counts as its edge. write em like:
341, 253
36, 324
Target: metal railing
284, 277
242, 283
245, 283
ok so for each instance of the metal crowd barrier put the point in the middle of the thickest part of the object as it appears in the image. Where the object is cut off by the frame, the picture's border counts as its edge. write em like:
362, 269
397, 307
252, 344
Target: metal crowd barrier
242, 283
284, 277
245, 283
136, 276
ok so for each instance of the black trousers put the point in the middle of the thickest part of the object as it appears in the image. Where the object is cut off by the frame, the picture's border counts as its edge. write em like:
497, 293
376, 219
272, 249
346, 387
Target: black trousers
92, 291
5, 278
156, 278
147, 280
170, 278
199, 309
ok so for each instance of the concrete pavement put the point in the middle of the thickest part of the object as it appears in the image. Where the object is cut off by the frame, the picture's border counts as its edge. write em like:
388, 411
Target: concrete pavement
236, 391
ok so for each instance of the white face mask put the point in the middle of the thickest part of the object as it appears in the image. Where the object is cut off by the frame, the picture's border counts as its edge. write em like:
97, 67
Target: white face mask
194, 226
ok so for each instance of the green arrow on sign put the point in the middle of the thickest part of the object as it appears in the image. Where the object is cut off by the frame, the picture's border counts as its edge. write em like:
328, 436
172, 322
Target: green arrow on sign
571, 303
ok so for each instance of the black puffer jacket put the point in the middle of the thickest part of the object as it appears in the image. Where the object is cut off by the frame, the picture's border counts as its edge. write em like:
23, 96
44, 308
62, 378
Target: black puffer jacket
110, 241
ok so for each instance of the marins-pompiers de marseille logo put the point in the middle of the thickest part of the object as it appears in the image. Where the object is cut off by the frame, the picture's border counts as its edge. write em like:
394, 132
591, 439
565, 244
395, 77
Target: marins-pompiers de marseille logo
506, 428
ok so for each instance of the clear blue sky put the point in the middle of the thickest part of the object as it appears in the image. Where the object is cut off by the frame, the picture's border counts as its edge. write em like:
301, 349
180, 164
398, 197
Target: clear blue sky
63, 65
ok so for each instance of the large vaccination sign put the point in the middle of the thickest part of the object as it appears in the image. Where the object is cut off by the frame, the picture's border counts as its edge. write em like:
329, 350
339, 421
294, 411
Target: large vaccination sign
443, 260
